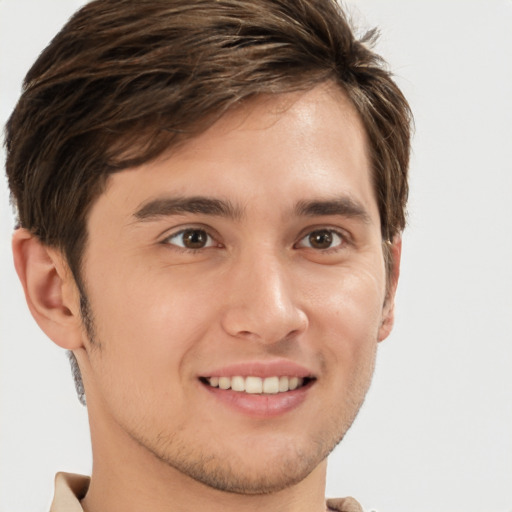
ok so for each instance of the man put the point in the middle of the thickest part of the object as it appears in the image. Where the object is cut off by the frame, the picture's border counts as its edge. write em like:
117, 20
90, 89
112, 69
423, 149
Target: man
210, 197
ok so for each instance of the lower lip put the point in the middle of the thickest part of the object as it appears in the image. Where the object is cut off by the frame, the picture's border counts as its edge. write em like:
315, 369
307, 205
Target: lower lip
261, 406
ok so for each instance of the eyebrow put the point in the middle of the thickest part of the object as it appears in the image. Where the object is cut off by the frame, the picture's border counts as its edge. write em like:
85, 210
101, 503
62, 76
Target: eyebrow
167, 206
164, 207
342, 206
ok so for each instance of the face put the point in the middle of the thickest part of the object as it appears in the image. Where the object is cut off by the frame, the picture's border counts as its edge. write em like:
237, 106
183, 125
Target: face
237, 292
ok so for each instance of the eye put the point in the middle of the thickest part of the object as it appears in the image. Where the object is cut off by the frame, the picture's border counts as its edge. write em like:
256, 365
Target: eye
322, 239
191, 238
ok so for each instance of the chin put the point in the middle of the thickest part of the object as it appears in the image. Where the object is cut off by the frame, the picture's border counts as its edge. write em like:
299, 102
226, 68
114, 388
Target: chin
260, 465
250, 478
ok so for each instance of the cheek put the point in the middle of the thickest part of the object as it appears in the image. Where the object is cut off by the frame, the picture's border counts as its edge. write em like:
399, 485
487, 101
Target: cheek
151, 323
146, 329
348, 316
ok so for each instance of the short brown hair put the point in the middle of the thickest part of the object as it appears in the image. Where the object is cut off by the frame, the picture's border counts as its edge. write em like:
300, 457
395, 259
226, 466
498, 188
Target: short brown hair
125, 80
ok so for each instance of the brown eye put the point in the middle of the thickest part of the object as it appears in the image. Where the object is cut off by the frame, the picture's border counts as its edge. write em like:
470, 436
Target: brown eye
194, 239
322, 239
191, 239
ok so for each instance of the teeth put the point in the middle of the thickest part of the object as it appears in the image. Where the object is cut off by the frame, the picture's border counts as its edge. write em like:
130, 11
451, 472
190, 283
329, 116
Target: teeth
294, 383
271, 385
253, 385
238, 384
257, 385
224, 382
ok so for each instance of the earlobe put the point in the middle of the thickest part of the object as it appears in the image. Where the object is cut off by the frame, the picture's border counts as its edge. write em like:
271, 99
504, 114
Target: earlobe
388, 319
388, 312
50, 289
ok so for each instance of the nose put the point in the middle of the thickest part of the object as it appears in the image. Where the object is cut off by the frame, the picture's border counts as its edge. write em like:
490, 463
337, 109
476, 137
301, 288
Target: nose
262, 301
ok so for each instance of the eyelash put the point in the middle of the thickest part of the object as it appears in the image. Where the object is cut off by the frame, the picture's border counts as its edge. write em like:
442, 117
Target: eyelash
166, 240
343, 237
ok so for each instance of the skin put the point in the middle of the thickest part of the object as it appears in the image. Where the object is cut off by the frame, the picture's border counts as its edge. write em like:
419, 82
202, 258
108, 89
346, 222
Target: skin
261, 289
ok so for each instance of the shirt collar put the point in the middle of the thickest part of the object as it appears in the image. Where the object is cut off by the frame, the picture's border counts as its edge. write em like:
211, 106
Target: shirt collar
69, 490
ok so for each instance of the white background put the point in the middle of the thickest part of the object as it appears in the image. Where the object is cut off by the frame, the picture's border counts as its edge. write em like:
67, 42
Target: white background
435, 433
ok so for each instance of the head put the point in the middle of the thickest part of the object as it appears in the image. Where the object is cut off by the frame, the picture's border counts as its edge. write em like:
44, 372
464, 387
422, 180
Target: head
124, 81
125, 84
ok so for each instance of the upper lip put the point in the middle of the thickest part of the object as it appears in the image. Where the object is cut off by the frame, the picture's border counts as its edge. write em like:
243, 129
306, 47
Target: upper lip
263, 369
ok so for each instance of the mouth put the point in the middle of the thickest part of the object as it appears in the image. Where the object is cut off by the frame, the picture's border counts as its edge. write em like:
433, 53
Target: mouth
254, 385
261, 389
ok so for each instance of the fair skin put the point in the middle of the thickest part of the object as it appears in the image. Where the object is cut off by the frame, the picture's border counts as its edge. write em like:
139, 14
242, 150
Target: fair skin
277, 271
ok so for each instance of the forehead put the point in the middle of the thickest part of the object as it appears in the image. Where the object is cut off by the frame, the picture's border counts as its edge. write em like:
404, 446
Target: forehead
287, 147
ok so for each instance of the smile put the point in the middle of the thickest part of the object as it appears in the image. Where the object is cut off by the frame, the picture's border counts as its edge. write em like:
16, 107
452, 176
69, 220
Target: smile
257, 385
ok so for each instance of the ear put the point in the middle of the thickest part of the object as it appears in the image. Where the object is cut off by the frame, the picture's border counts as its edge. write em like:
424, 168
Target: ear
50, 290
394, 250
